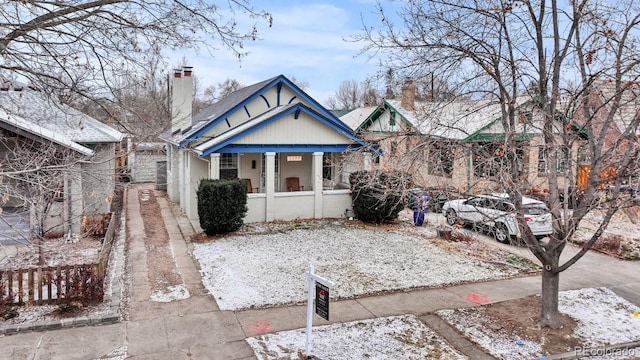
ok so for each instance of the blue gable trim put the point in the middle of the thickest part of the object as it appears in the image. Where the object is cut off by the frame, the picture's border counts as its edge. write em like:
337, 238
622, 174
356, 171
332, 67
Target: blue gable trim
295, 110
282, 148
278, 81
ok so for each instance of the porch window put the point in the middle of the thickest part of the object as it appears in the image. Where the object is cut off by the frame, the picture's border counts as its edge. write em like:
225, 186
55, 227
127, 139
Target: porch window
440, 159
327, 166
492, 159
562, 159
228, 166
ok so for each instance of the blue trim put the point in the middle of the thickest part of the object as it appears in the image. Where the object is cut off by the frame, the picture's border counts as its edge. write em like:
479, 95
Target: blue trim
283, 148
296, 108
279, 89
266, 101
293, 98
278, 81
228, 123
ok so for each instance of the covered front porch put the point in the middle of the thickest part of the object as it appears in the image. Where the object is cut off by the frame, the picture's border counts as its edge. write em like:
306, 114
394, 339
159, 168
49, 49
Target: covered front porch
283, 185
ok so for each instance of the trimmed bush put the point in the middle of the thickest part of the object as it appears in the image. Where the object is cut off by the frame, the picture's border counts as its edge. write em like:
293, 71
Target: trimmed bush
222, 205
378, 196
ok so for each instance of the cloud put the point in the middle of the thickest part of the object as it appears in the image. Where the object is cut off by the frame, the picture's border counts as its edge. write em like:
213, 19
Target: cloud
306, 41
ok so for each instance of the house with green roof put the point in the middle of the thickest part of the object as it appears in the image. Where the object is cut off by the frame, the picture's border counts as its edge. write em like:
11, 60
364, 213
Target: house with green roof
458, 143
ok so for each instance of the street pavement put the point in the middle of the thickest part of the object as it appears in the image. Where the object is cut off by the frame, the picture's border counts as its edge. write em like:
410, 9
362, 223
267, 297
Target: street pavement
195, 328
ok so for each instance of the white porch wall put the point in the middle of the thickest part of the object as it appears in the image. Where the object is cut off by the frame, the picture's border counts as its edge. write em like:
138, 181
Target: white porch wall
336, 203
299, 205
294, 205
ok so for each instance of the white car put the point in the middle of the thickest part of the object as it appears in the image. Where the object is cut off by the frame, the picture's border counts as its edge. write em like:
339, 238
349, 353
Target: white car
497, 214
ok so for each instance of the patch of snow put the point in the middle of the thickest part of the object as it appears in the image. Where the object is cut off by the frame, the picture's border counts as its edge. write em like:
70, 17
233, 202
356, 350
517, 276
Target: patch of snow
396, 337
119, 353
602, 317
239, 270
612, 322
475, 325
178, 292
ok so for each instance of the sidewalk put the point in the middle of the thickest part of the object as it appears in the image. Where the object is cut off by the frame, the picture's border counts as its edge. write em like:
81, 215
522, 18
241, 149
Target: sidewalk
195, 328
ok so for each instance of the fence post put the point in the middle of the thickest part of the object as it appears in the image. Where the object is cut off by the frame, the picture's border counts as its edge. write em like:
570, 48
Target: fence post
20, 287
31, 284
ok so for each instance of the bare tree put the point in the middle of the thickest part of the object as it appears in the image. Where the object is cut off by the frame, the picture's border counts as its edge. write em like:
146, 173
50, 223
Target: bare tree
353, 94
500, 51
84, 47
34, 175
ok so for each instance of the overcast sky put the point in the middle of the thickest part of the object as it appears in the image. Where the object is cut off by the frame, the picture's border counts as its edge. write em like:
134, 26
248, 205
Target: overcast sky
306, 42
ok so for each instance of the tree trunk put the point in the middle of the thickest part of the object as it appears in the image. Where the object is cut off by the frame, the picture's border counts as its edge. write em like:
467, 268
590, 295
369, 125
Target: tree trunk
550, 316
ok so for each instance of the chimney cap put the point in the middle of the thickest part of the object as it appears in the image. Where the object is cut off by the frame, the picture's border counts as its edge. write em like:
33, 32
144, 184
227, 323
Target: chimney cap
177, 73
187, 70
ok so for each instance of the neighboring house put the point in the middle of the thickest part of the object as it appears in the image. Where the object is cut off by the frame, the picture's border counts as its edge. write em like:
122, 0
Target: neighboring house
84, 147
613, 119
457, 143
288, 149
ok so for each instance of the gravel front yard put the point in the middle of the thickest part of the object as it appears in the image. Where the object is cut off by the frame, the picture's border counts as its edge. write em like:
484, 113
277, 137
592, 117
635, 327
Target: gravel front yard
239, 270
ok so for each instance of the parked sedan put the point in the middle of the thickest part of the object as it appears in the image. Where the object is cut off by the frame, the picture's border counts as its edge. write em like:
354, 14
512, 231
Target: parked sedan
497, 214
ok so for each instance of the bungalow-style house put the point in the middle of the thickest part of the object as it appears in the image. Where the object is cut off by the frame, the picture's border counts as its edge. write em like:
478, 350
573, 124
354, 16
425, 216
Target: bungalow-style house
59, 142
282, 143
455, 143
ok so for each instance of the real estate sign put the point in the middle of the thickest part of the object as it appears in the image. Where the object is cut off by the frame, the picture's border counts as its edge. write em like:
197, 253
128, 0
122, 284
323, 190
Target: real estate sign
322, 300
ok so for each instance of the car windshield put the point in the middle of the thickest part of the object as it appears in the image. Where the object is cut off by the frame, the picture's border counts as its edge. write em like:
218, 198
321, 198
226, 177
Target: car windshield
535, 209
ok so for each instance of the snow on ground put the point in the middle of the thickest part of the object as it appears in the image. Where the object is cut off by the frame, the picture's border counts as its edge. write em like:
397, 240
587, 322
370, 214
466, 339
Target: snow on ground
396, 337
239, 270
603, 318
172, 293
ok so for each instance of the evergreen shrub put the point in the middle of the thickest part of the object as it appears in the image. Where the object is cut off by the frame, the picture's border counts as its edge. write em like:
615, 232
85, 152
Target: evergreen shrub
222, 205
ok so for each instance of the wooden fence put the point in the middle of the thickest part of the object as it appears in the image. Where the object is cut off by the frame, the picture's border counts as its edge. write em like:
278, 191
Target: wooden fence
58, 284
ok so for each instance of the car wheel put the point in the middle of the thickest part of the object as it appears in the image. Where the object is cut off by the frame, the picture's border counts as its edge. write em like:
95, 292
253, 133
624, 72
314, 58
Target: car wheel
452, 217
501, 233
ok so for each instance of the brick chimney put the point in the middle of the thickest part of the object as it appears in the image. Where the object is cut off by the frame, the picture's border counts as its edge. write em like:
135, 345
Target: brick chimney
408, 95
181, 99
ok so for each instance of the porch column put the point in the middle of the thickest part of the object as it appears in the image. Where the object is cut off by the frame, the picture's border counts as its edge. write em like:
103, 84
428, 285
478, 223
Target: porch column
316, 176
214, 166
269, 183
367, 160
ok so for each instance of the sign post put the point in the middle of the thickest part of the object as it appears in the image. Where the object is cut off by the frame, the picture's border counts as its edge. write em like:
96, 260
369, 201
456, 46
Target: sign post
321, 293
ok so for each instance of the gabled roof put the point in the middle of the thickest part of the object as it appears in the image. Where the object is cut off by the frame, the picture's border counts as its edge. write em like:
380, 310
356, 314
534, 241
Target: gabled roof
368, 115
218, 143
219, 111
17, 123
41, 112
454, 120
227, 106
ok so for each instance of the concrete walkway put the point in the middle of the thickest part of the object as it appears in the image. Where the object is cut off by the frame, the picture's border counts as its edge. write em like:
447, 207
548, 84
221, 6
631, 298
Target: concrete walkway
196, 329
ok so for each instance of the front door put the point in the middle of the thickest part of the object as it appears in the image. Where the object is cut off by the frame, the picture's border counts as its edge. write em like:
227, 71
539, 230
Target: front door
583, 176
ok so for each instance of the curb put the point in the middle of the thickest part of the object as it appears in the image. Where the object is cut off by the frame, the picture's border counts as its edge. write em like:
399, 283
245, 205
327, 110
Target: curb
116, 284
